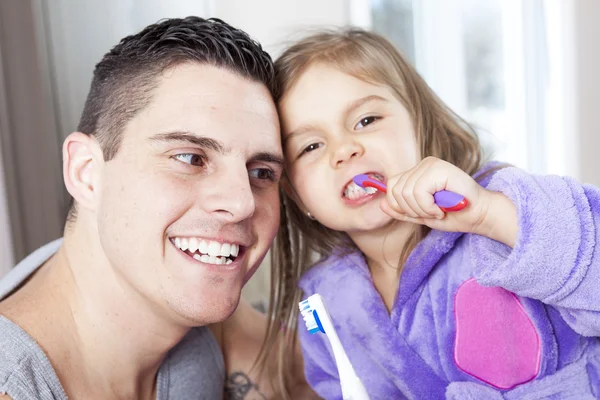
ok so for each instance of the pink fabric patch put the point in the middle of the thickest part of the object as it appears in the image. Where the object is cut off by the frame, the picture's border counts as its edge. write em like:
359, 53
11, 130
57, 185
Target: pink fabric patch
496, 341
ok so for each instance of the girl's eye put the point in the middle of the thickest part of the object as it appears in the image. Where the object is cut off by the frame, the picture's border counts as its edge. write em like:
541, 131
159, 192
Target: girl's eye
196, 160
311, 147
365, 121
262, 174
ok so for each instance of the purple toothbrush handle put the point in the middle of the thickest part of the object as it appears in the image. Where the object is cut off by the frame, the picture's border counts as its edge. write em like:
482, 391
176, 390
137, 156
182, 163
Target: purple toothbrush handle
449, 201
445, 199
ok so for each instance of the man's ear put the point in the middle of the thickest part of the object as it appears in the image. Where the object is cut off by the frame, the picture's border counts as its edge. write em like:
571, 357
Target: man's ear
82, 161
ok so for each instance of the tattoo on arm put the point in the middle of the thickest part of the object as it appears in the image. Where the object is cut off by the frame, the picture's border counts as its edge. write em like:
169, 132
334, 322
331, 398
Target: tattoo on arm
239, 387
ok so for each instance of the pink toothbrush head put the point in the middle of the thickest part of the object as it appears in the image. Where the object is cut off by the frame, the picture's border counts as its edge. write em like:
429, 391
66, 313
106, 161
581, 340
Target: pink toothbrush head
446, 200
364, 181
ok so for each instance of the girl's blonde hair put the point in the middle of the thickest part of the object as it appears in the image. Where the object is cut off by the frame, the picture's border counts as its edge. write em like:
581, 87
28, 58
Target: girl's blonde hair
300, 241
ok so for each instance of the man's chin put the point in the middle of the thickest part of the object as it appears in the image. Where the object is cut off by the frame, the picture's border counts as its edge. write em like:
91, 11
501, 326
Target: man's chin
210, 310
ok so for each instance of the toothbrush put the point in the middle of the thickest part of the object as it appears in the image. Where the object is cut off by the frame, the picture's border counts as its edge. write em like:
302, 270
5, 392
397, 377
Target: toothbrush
317, 319
446, 200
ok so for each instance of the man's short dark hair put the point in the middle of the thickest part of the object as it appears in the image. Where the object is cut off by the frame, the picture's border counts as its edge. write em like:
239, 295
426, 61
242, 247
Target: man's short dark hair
125, 78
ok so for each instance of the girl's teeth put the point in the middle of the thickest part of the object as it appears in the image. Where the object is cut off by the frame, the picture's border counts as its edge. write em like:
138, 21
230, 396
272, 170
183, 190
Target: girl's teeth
353, 191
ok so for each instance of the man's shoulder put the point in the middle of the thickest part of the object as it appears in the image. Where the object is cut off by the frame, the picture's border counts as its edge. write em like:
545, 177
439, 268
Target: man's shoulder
24, 368
17, 347
15, 377
198, 346
201, 343
195, 366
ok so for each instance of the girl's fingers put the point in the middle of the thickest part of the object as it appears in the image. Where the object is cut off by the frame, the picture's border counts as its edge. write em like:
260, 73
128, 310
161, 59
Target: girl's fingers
424, 196
395, 198
385, 207
384, 204
416, 195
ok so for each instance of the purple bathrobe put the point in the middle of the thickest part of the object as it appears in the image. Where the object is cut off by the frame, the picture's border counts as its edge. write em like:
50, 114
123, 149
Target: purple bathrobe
473, 318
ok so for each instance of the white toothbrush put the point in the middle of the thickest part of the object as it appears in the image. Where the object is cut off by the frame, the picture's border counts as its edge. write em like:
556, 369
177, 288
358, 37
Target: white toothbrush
317, 319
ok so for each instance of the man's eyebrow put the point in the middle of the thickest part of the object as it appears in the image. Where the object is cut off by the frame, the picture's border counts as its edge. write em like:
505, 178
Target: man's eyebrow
268, 157
197, 140
212, 144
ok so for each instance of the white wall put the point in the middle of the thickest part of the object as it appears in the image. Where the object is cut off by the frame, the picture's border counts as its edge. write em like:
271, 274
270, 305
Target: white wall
275, 22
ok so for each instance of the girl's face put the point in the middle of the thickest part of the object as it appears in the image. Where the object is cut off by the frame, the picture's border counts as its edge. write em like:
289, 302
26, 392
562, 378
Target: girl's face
336, 126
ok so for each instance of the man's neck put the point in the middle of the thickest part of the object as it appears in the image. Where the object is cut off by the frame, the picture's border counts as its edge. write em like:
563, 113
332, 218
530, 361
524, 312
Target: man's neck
103, 338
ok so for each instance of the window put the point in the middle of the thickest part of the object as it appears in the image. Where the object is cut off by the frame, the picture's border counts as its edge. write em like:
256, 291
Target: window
485, 59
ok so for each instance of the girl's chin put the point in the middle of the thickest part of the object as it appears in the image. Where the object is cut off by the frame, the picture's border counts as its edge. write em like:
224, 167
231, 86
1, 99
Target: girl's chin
375, 223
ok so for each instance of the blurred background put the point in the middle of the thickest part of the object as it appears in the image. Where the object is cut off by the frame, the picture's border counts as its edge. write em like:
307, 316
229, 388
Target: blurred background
525, 72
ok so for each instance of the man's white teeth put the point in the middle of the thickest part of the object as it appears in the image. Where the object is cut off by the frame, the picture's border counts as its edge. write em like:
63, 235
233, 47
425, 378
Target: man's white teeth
212, 260
203, 247
225, 249
353, 191
214, 249
193, 245
182, 244
208, 251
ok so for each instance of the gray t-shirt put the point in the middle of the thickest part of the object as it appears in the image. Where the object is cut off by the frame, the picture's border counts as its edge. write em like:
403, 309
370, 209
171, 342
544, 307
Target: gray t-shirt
194, 369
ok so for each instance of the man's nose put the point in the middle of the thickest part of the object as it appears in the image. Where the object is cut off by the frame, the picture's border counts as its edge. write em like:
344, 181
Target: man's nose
229, 195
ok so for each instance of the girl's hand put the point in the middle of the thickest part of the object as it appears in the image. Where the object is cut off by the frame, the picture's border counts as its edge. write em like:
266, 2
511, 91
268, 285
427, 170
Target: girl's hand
410, 198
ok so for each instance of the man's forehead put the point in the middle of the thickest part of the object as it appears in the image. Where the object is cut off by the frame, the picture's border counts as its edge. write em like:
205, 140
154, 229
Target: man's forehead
211, 84
215, 103
196, 88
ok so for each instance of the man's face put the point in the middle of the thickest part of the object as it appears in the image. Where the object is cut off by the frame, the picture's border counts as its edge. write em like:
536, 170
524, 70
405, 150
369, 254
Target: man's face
189, 205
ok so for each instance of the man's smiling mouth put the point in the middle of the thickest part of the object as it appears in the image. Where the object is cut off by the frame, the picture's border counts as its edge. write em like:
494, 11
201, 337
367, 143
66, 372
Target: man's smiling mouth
207, 251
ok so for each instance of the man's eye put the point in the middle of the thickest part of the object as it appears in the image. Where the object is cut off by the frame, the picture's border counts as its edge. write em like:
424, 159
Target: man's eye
365, 121
196, 160
311, 147
262, 174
